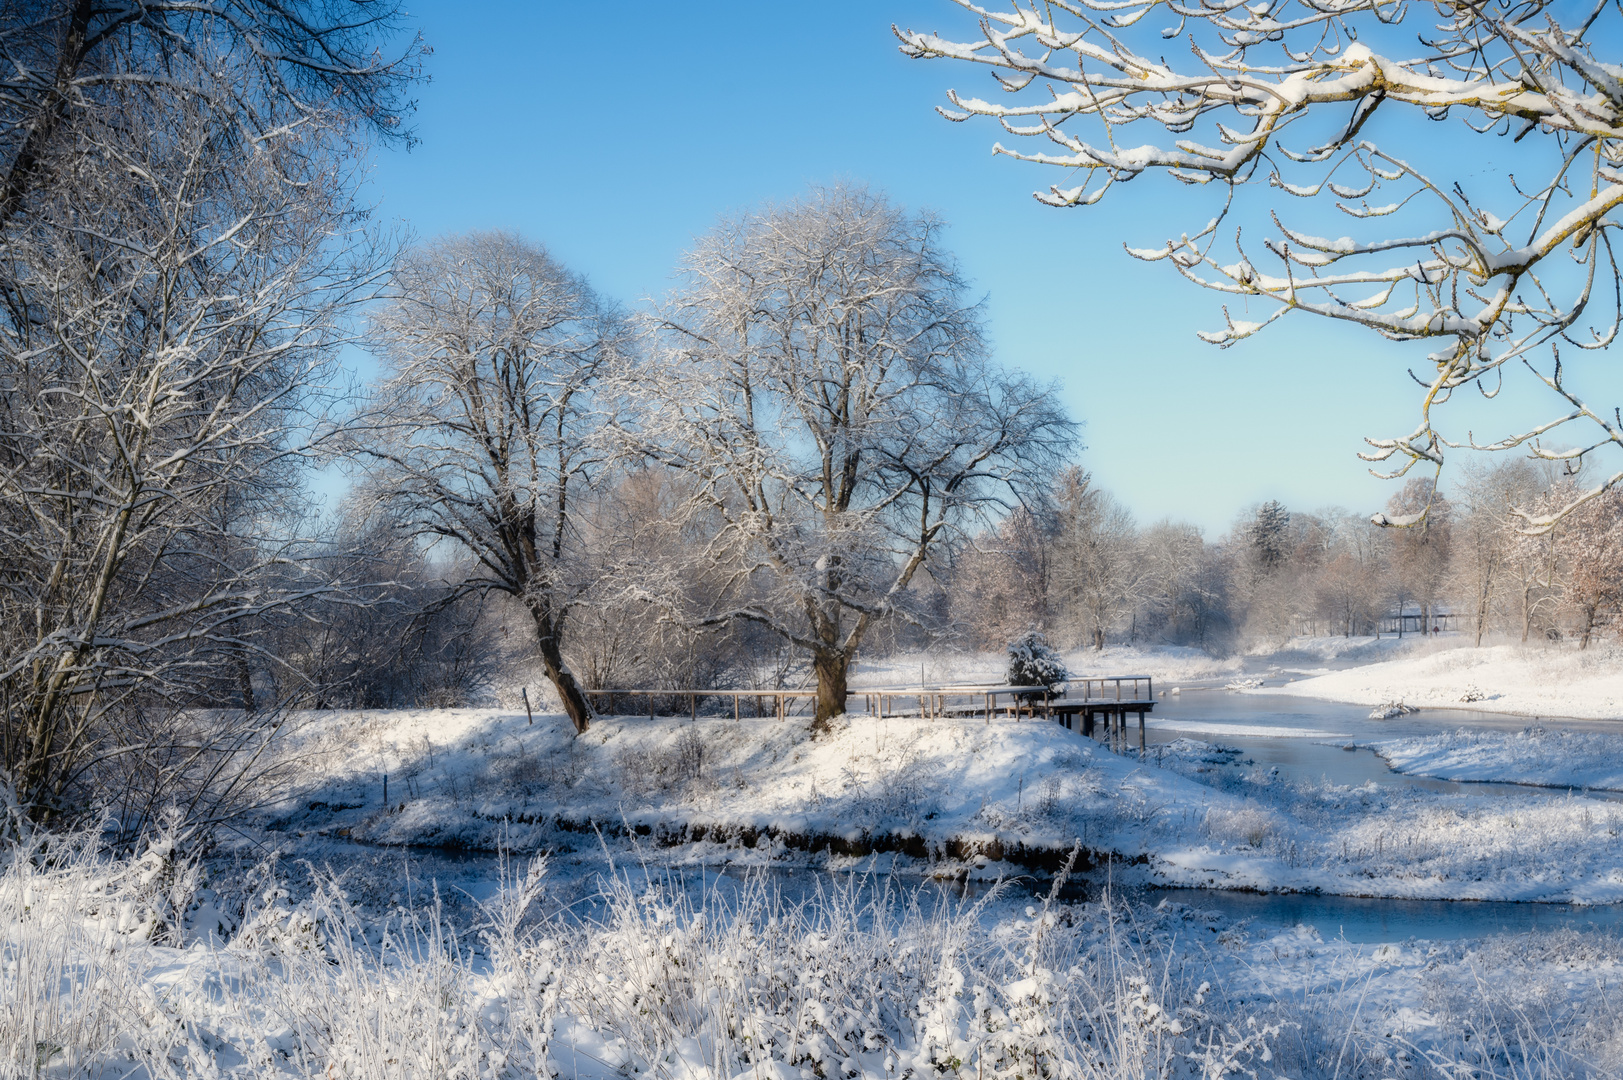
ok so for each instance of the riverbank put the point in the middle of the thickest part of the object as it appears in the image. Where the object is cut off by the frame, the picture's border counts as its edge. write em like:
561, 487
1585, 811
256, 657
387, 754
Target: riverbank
952, 798
1556, 680
1538, 755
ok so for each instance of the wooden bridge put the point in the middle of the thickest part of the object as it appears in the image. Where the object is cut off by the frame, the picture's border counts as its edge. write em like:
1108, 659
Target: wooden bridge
1085, 702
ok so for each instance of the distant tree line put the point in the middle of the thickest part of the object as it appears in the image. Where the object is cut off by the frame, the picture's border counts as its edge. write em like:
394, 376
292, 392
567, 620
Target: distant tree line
1083, 571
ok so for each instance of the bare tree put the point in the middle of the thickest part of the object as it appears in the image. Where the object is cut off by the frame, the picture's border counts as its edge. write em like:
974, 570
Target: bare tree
1421, 555
259, 67
1485, 534
1351, 587
1181, 597
1001, 580
1486, 270
482, 433
1097, 569
824, 380
173, 285
1591, 544
633, 528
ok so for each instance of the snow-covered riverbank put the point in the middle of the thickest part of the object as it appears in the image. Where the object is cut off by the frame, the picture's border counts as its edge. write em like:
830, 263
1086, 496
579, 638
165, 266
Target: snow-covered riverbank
1532, 680
948, 797
1547, 756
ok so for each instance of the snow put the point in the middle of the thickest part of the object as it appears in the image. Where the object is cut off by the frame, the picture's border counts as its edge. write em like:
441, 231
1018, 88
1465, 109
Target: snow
1164, 663
1552, 758
865, 981
628, 955
1531, 680
1196, 727
945, 796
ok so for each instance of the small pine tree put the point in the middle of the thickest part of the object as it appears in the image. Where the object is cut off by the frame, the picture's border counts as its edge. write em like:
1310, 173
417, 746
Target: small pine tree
1267, 534
1033, 662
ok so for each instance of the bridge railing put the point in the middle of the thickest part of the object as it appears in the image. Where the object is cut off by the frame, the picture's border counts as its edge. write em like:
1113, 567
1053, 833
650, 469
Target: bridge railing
932, 701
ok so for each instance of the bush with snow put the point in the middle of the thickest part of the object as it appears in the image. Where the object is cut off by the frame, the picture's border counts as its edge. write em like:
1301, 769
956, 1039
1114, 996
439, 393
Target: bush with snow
1034, 662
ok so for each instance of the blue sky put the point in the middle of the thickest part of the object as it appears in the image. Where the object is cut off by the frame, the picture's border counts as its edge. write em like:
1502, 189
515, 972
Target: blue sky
615, 134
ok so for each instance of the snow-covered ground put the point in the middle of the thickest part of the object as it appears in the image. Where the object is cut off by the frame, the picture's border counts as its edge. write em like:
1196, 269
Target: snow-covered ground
866, 981
1534, 680
945, 797
345, 957
1545, 756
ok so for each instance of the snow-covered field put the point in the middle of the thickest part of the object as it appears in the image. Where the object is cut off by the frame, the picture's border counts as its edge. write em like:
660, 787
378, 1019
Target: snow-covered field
869, 981
947, 797
1536, 679
1545, 756
627, 957
1533, 680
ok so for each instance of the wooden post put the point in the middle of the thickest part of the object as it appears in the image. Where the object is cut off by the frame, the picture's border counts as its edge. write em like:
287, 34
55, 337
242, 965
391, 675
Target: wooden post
524, 692
1141, 733
693, 702
735, 705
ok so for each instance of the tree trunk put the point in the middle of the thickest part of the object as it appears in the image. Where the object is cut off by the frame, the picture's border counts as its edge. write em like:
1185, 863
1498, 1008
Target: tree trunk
245, 678
831, 668
576, 706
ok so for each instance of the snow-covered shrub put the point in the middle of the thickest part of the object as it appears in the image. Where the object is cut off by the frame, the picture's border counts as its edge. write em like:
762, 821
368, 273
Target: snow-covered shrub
1249, 825
1033, 662
72, 984
890, 790
650, 764
858, 981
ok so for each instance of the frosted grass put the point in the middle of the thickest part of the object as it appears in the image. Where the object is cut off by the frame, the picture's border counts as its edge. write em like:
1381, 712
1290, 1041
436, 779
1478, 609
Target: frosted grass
100, 978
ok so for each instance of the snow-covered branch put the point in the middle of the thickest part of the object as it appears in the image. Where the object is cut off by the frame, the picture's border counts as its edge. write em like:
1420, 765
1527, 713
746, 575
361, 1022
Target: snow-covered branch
1284, 93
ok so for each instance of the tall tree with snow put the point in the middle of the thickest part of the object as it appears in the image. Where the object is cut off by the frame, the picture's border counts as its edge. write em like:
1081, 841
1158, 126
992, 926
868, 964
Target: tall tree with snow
180, 252
823, 377
1486, 270
1096, 563
482, 433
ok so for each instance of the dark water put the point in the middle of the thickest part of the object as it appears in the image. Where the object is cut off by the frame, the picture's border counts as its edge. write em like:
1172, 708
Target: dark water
1360, 920
1367, 919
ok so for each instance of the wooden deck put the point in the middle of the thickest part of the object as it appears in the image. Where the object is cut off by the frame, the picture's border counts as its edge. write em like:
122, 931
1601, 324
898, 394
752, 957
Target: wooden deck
1086, 701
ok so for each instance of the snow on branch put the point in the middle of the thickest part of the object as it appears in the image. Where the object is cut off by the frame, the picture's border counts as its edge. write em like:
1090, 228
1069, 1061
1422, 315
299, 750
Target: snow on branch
1282, 93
